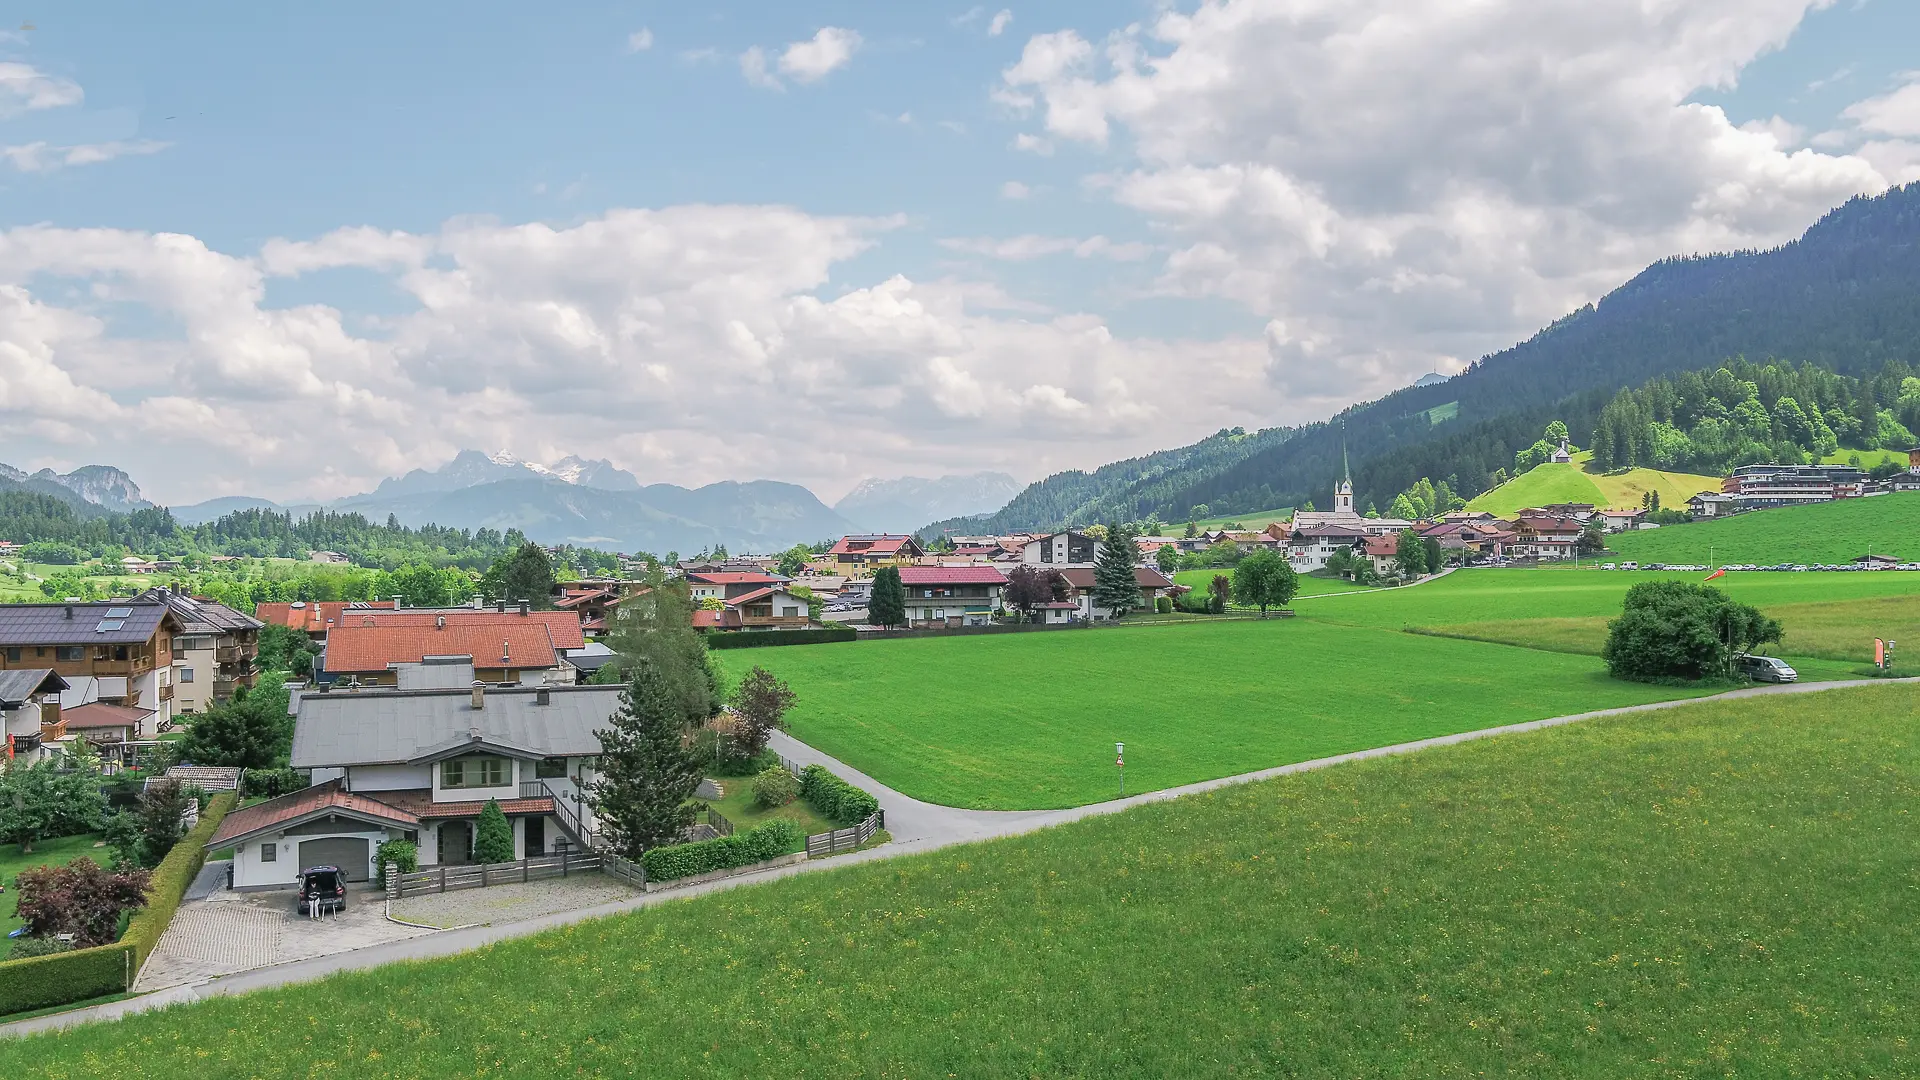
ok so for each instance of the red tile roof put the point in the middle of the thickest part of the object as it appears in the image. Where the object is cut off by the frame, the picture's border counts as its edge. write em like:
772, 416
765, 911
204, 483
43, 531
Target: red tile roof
331, 795
733, 577
356, 647
1081, 577
1382, 545
313, 616
716, 620
100, 714
563, 625
952, 575
884, 544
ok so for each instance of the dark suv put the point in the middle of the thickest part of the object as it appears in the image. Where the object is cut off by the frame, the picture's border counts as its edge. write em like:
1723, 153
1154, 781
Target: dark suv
324, 887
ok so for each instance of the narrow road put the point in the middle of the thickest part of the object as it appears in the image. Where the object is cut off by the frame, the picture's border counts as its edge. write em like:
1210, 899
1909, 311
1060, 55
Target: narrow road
916, 827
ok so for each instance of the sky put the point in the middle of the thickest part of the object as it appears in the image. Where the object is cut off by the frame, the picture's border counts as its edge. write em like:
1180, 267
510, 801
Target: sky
285, 252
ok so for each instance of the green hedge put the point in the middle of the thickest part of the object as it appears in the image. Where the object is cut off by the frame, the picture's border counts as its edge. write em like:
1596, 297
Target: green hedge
171, 878
845, 804
45, 981
768, 840
756, 639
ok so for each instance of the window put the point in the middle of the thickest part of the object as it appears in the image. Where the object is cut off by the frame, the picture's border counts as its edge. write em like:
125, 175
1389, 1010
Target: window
13, 655
69, 652
269, 852
475, 772
550, 768
186, 674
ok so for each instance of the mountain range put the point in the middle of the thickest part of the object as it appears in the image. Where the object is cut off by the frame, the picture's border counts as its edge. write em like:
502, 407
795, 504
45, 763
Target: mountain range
904, 504
90, 488
1844, 296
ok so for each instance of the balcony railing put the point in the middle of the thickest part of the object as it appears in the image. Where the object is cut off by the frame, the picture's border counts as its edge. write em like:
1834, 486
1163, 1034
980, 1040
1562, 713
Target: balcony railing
55, 730
227, 654
166, 692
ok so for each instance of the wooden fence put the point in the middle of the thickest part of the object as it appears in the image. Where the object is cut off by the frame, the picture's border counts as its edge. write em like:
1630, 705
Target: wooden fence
832, 843
453, 878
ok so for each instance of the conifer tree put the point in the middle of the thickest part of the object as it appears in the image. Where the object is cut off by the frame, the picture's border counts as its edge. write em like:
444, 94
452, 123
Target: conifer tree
1114, 586
492, 835
647, 766
888, 605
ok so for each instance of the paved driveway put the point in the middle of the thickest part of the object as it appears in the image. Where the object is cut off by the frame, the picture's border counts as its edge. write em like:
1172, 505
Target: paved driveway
226, 932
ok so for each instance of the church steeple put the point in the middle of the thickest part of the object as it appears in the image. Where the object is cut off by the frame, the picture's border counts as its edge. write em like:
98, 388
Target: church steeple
1343, 491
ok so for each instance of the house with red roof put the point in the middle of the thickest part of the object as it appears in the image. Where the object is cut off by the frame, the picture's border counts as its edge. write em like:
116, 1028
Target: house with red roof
863, 553
942, 596
374, 652
1151, 583
727, 584
315, 617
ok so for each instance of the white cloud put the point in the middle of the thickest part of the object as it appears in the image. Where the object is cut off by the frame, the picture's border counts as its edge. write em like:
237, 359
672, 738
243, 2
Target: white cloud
829, 50
1896, 113
1014, 189
1401, 185
1030, 246
999, 23
636, 334
45, 157
1033, 144
24, 88
753, 67
640, 40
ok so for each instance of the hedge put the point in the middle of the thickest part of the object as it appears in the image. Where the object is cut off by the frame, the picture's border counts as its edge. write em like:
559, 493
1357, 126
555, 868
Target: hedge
756, 639
768, 840
171, 878
836, 799
62, 978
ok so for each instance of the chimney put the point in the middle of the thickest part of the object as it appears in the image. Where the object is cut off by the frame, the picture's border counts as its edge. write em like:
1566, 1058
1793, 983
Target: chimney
439, 622
500, 606
69, 611
540, 697
399, 601
525, 606
479, 695
505, 654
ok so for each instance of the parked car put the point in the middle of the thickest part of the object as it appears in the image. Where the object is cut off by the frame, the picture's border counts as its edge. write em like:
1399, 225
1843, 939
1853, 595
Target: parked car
1767, 669
324, 886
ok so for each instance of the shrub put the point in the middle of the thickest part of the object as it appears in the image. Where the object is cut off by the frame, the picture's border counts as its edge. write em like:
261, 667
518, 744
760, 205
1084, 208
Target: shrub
403, 854
1163, 605
79, 899
273, 783
756, 639
27, 948
834, 798
170, 881
42, 982
1682, 630
492, 835
775, 787
768, 840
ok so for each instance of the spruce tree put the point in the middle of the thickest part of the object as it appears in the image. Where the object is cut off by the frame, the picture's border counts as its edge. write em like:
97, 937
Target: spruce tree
492, 835
888, 606
1114, 586
648, 768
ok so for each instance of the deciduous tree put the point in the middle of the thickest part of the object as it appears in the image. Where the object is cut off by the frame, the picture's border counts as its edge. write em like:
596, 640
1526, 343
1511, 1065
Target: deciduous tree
760, 703
79, 898
1683, 630
1264, 579
40, 801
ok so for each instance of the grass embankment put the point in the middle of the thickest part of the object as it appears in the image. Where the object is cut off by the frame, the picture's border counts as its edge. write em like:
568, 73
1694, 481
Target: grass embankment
1544, 484
1029, 721
1723, 889
1834, 532
45, 853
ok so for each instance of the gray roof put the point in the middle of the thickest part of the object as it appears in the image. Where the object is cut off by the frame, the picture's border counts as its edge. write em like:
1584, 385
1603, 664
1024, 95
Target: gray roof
19, 684
102, 622
386, 727
203, 616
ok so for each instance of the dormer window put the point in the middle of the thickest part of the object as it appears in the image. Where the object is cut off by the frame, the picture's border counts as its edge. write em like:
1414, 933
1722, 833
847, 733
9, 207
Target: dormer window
475, 772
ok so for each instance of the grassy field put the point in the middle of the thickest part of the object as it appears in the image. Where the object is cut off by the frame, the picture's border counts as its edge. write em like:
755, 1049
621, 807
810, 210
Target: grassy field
1252, 519
1724, 889
1868, 458
1310, 584
1833, 532
1550, 483
1029, 721
46, 853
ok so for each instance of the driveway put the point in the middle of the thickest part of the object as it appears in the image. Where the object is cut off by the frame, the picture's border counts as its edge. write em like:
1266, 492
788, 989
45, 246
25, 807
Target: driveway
223, 932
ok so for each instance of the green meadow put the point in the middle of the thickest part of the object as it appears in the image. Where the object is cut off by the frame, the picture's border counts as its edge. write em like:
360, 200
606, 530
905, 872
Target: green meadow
1310, 584
1835, 532
1724, 889
1028, 721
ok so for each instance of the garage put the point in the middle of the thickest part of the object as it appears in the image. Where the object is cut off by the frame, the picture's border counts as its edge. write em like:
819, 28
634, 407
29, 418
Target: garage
349, 853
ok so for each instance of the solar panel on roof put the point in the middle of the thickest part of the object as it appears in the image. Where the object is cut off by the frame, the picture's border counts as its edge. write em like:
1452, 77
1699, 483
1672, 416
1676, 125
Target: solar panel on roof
109, 624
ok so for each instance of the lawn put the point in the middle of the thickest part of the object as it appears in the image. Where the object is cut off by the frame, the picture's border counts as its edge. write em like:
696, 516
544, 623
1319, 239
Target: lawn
1028, 721
45, 853
1311, 584
1254, 520
1724, 889
738, 807
1833, 532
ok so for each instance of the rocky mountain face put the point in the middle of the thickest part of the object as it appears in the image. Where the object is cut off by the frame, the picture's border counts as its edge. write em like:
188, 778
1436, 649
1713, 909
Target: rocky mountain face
101, 486
470, 468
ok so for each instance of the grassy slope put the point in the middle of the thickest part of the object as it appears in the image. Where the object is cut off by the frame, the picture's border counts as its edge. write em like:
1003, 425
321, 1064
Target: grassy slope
1254, 520
1545, 484
1868, 458
1029, 721
1724, 889
46, 853
1832, 532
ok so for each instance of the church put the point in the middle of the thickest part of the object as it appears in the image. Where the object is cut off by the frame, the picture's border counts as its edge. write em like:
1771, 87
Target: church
1343, 515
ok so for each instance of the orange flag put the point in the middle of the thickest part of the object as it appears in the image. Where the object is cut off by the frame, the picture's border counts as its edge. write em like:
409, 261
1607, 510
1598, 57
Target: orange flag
1722, 572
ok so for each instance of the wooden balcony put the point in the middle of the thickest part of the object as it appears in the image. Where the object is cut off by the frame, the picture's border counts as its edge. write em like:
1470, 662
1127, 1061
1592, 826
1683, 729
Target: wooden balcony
166, 692
55, 730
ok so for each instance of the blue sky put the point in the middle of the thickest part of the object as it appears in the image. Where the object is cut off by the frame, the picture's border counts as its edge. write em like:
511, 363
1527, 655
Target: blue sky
1103, 229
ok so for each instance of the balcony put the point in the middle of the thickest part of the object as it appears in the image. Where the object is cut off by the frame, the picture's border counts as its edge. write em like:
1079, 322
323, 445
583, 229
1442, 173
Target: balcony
166, 692
55, 730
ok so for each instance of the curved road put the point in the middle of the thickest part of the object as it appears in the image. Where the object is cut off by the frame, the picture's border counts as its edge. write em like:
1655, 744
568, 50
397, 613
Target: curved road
915, 826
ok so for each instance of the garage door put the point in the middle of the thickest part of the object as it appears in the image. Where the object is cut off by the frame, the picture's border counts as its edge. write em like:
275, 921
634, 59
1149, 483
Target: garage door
346, 852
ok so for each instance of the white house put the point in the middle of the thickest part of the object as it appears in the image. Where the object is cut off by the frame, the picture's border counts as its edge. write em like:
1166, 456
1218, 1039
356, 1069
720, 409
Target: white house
1061, 549
1309, 549
944, 596
30, 712
420, 765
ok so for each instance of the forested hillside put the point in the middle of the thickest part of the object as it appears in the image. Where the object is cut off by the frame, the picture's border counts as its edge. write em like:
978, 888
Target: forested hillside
1844, 297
